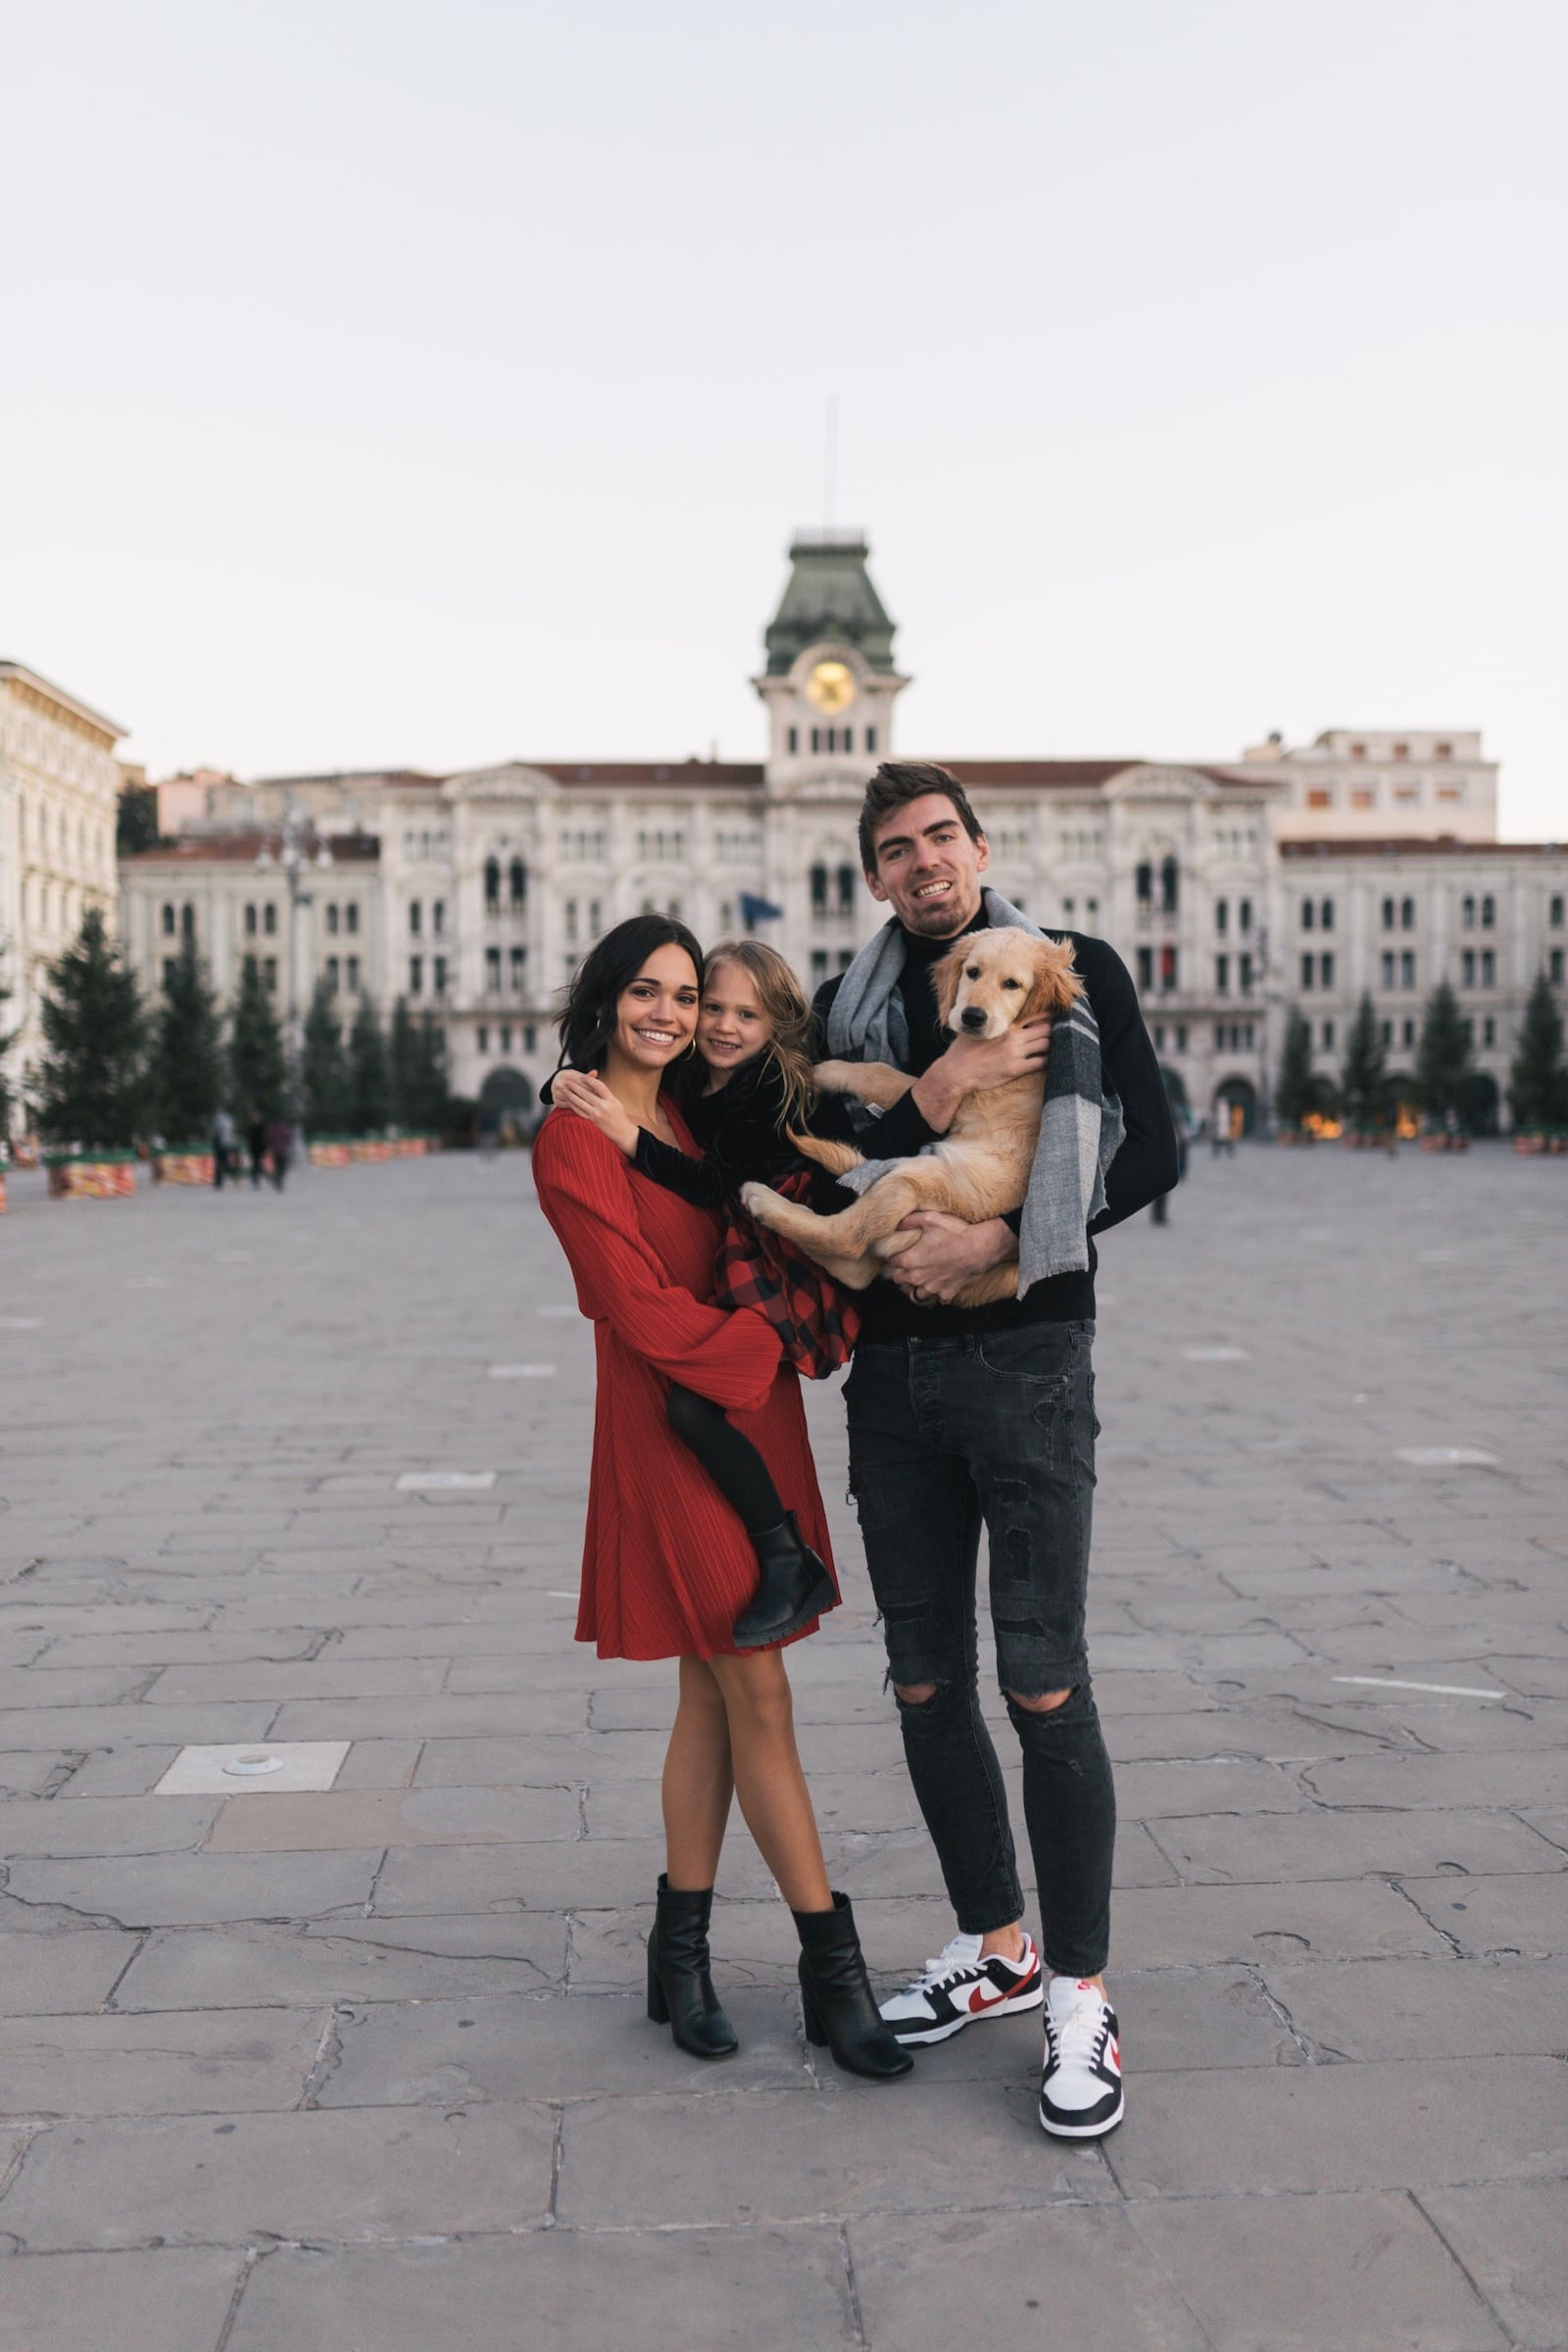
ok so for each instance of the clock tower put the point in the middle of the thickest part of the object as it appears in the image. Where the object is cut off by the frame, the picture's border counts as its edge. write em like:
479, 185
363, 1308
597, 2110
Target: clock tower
829, 682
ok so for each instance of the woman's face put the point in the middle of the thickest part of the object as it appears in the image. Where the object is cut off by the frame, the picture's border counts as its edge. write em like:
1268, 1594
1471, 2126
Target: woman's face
655, 1014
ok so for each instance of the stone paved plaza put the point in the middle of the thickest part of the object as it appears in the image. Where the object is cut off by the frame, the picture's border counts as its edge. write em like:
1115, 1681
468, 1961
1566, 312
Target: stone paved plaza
364, 2064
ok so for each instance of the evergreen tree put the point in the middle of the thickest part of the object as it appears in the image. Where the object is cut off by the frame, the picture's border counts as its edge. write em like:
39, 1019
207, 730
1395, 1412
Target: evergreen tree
429, 1096
1296, 1095
1538, 1083
257, 1078
8, 1039
1364, 1089
1442, 1058
188, 1076
135, 819
92, 1085
370, 1091
403, 1048
328, 1089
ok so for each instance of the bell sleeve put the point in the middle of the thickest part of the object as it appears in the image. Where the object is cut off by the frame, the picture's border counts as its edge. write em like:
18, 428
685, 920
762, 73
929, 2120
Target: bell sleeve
583, 1189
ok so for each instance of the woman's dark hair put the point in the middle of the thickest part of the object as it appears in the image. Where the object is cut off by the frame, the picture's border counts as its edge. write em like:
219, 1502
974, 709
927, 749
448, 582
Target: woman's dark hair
587, 1020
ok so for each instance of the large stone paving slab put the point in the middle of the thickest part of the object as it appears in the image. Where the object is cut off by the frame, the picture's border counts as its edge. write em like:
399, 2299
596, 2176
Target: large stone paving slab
371, 2066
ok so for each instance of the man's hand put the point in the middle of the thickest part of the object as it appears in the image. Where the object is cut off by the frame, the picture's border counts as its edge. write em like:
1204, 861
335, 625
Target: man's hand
971, 1063
947, 1253
585, 1093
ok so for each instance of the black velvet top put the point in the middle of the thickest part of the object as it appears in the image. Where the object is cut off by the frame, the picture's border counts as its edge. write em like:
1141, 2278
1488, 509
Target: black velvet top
741, 1132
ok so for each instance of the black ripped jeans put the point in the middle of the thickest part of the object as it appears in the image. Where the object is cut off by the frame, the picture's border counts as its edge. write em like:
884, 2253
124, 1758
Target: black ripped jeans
999, 1426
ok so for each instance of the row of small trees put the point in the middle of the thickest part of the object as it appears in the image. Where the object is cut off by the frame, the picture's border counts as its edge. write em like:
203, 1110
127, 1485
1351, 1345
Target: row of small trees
1443, 1079
116, 1068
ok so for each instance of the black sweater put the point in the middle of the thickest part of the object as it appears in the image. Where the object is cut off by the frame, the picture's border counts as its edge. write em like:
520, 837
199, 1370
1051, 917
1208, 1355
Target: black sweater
1143, 1167
739, 1131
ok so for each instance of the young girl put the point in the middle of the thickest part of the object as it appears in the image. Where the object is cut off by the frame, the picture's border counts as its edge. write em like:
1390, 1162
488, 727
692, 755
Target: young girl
665, 1565
757, 1084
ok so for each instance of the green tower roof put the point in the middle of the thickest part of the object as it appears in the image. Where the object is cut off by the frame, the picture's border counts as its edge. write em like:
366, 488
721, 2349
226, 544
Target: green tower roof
829, 595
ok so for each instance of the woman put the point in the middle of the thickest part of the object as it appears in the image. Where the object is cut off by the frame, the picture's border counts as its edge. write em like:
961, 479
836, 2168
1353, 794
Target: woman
667, 1565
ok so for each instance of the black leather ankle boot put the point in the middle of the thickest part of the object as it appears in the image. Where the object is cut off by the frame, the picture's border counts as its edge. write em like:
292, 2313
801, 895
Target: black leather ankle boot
795, 1587
836, 1996
680, 1991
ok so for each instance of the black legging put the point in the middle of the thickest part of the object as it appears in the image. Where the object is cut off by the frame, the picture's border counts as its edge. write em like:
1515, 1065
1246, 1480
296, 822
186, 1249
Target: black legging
732, 1461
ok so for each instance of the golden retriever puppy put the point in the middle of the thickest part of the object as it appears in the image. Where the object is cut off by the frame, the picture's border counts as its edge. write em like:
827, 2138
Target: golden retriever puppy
980, 1169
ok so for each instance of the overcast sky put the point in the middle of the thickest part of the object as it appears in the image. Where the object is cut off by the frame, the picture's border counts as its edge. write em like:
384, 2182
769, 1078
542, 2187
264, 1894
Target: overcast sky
434, 384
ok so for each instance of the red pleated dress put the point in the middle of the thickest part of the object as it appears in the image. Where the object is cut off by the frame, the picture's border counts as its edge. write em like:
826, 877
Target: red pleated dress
667, 1566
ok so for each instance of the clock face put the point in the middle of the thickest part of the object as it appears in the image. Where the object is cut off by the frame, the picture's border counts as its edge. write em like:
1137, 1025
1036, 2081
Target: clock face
831, 686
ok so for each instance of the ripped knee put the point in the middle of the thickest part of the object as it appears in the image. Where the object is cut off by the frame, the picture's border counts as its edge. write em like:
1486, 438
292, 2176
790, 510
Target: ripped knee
915, 1694
1046, 1703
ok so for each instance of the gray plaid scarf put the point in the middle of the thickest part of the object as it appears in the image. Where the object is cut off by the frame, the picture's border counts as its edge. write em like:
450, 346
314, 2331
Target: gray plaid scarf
1081, 1128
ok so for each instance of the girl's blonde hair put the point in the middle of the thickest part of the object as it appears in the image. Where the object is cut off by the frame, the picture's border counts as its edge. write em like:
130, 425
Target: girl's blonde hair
784, 1001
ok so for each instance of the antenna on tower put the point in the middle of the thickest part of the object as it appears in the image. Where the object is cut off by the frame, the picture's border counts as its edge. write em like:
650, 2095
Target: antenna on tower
831, 464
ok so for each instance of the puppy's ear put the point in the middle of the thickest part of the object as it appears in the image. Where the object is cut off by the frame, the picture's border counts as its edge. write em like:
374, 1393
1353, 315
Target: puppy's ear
946, 976
1056, 983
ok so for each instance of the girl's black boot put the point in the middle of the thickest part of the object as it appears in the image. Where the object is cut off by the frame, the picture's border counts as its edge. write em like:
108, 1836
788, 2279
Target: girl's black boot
836, 1996
680, 1991
796, 1586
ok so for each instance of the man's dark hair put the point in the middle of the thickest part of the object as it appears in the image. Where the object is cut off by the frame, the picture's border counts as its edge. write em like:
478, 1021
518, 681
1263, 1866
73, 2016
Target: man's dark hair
588, 1016
896, 783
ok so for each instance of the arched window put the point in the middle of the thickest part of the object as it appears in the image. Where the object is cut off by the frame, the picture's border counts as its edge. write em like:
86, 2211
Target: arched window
1387, 914
1145, 879
1325, 915
1489, 913
250, 918
846, 890
492, 882
1167, 886
1554, 915
270, 918
168, 921
187, 920
517, 881
1308, 914
820, 890
331, 919
1407, 915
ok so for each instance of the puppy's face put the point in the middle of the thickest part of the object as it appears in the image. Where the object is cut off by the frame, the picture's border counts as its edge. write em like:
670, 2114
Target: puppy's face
992, 979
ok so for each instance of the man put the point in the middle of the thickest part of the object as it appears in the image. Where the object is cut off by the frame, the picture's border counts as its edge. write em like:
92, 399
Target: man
961, 1414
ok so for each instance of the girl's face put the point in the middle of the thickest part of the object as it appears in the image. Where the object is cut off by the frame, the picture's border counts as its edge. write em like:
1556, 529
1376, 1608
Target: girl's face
655, 1014
731, 1028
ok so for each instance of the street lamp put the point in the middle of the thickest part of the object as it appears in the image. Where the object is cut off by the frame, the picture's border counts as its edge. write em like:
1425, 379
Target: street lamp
294, 856
1265, 1108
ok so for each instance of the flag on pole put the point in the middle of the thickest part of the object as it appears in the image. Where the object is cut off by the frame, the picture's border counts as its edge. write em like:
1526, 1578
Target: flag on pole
755, 910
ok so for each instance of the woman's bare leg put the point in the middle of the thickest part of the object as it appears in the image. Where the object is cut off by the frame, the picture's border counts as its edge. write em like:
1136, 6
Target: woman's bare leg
699, 1782
768, 1780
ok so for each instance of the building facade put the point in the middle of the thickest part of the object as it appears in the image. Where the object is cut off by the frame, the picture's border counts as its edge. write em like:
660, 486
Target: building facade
59, 782
474, 896
1363, 784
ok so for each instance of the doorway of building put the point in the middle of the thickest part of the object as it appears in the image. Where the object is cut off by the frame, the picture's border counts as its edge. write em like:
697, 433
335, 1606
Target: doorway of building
1235, 1104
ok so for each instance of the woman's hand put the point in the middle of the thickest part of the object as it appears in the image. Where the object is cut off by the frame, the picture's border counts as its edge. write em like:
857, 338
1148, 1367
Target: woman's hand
585, 1093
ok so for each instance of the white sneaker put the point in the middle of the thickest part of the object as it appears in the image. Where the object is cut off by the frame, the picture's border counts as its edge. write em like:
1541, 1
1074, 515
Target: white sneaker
1080, 2089
957, 1987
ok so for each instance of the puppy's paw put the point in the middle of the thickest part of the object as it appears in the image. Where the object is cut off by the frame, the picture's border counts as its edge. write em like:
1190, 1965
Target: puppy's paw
838, 1077
759, 1200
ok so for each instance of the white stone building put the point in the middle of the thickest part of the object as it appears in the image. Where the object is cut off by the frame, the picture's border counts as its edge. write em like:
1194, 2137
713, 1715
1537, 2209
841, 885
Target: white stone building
1394, 919
475, 895
59, 781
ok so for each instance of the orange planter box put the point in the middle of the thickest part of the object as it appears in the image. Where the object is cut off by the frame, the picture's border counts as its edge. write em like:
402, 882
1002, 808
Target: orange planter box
91, 1179
182, 1167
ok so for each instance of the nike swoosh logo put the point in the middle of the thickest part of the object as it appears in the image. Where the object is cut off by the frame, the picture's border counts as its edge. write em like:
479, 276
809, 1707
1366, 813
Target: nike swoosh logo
986, 1996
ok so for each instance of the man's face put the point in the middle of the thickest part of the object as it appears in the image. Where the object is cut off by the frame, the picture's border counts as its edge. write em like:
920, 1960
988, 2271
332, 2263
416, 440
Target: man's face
927, 869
